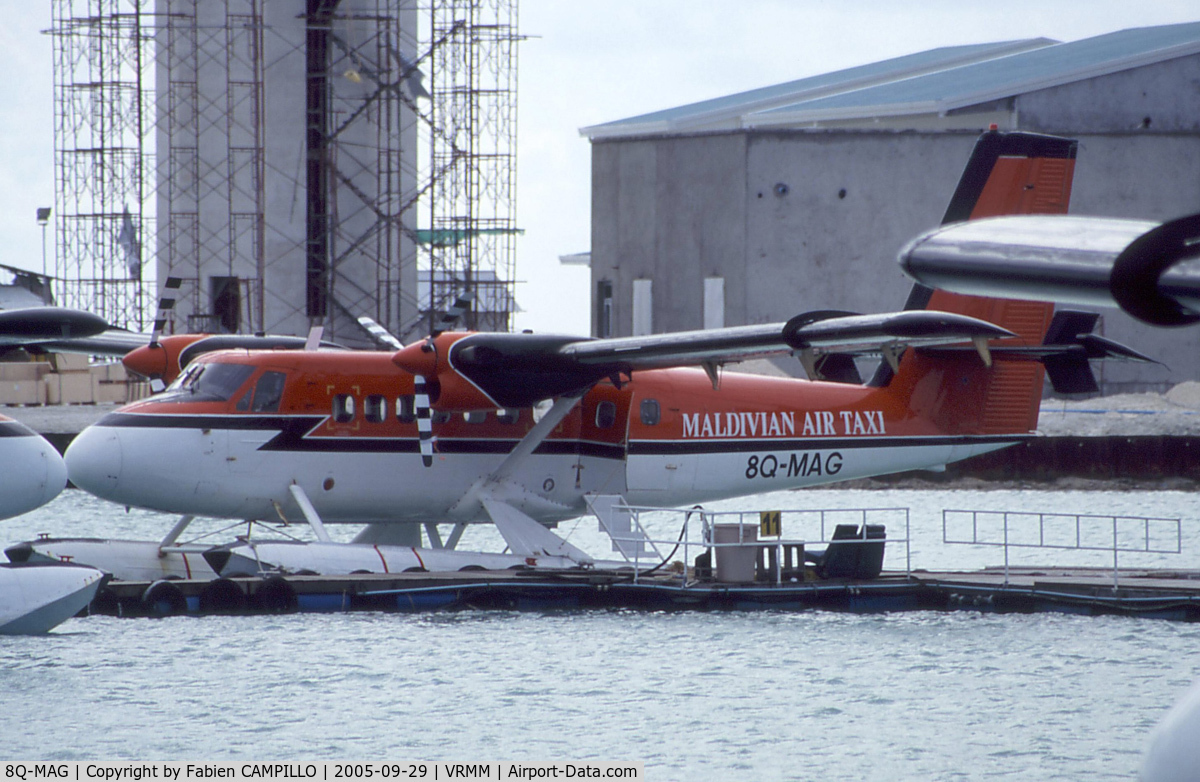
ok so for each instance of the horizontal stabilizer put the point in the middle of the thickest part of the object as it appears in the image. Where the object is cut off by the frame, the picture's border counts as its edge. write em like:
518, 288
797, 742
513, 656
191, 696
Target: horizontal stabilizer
1066, 351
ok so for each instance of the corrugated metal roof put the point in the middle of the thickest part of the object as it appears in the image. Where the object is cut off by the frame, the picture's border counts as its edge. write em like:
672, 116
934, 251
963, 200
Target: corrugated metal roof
931, 82
733, 107
1000, 78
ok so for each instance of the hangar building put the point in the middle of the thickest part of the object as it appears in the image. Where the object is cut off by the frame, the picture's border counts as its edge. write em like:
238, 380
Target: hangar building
758, 206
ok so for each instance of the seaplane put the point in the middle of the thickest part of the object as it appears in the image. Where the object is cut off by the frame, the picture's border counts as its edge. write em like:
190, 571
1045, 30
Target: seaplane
524, 430
35, 598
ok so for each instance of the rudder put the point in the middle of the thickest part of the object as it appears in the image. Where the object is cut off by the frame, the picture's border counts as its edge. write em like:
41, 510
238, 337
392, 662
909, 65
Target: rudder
1008, 173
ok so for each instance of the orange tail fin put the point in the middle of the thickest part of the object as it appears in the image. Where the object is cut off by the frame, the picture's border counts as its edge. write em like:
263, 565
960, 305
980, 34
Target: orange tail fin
1008, 173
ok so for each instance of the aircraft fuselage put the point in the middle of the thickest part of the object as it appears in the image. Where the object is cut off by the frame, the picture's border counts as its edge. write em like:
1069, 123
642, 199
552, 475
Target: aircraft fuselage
232, 435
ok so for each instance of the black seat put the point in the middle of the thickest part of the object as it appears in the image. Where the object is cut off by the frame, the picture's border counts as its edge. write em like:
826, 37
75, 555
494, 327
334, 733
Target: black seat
851, 560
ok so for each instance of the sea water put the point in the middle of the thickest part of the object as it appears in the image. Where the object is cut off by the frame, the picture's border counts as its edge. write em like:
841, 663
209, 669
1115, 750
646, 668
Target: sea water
735, 695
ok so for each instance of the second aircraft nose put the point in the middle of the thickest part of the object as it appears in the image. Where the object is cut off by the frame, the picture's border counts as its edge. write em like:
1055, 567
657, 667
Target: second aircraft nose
94, 461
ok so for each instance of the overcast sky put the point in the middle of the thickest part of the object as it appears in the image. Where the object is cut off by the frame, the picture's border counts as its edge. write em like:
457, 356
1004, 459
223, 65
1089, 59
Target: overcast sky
587, 63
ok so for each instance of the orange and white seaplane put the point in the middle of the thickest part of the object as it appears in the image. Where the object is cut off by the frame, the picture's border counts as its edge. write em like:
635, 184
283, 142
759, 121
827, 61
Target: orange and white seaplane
443, 431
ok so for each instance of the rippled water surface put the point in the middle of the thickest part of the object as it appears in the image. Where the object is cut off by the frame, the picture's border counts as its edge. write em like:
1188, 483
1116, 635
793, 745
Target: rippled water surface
696, 696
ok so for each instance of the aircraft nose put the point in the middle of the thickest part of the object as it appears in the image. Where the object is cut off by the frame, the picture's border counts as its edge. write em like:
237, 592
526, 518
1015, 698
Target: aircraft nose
33, 474
94, 461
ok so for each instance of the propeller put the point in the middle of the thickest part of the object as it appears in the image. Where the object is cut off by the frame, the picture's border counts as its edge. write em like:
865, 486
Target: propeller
166, 305
424, 380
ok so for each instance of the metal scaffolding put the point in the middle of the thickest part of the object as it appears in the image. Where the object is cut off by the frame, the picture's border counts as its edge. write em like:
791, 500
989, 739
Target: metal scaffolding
473, 123
103, 121
285, 160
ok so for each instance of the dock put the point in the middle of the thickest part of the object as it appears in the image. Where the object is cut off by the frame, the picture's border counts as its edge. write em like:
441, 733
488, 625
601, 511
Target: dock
1171, 595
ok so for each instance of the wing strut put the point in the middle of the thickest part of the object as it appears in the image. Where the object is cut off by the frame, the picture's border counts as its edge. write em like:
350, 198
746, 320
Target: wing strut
310, 513
528, 538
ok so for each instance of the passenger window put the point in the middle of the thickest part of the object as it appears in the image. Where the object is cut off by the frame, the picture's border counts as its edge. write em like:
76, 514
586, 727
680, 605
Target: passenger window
440, 416
406, 409
651, 413
606, 415
243, 404
475, 416
508, 416
268, 392
343, 408
375, 408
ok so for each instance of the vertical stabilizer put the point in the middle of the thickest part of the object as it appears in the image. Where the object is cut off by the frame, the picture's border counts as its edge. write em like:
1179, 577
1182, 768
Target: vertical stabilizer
1008, 173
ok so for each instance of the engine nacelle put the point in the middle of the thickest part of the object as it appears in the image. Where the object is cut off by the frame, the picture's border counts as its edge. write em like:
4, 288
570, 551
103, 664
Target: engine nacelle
1150, 270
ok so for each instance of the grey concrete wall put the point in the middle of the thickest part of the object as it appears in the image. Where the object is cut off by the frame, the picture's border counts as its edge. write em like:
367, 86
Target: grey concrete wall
670, 207
672, 211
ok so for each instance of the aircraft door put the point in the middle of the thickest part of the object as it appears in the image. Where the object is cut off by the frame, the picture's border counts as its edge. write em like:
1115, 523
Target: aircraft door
655, 462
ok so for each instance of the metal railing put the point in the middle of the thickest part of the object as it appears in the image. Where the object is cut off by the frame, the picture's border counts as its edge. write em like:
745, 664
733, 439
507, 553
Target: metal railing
698, 531
1066, 531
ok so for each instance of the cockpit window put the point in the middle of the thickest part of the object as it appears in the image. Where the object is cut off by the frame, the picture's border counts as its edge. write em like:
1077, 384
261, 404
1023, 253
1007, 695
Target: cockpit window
208, 382
268, 392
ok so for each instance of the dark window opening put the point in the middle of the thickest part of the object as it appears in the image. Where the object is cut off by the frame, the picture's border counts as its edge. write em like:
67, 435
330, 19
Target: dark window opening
440, 416
651, 412
475, 416
343, 408
375, 408
604, 308
606, 415
208, 383
508, 416
406, 409
268, 392
226, 303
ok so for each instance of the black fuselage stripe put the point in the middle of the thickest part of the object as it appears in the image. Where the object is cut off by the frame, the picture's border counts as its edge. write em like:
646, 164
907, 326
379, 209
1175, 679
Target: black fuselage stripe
293, 435
685, 447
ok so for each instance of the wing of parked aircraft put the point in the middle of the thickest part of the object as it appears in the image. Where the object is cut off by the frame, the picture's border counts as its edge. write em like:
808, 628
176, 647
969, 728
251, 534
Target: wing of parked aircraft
46, 325
481, 370
1150, 270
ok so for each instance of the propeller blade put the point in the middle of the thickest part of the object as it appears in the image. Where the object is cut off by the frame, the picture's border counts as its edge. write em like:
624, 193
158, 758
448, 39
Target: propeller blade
166, 303
382, 336
424, 419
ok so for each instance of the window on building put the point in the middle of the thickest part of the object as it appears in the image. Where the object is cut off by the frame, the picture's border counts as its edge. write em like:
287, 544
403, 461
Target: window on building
226, 298
714, 302
604, 308
643, 308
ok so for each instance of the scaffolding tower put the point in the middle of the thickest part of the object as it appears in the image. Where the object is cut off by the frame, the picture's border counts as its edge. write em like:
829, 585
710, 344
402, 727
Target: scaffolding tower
103, 121
473, 126
286, 161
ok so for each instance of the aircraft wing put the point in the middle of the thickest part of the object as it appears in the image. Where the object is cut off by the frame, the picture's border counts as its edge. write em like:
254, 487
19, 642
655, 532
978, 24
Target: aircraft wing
112, 342
44, 325
1151, 271
518, 370
826, 332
